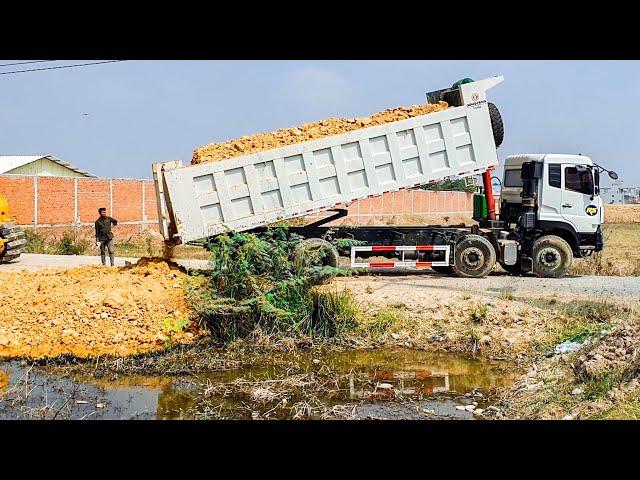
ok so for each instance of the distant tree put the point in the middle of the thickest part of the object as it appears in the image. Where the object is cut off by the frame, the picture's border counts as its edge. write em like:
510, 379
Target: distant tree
450, 186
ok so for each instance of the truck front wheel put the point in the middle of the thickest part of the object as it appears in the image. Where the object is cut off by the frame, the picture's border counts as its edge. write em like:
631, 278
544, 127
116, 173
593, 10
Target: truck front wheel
474, 257
552, 257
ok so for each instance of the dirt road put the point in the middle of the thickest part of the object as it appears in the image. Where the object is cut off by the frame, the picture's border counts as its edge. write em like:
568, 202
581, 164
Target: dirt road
31, 261
628, 287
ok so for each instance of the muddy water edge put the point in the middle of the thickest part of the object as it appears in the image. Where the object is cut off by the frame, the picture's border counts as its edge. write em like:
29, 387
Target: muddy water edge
315, 383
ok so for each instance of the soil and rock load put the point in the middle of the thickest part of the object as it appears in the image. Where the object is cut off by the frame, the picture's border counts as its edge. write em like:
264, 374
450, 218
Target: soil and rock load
307, 131
93, 310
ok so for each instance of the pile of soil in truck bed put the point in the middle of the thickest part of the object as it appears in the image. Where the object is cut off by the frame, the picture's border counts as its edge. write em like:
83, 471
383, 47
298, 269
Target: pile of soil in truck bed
305, 132
93, 310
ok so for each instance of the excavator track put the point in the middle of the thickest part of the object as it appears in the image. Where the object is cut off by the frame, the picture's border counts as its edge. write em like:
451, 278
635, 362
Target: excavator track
12, 242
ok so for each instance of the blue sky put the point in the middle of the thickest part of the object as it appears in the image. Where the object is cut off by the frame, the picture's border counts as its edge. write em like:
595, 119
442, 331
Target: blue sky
140, 112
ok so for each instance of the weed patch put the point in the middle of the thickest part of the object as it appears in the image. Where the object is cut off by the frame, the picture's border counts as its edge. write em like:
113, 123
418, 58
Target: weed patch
256, 282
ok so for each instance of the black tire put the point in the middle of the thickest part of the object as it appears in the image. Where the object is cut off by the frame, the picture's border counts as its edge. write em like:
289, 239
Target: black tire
496, 124
512, 269
552, 257
448, 270
474, 257
15, 242
316, 252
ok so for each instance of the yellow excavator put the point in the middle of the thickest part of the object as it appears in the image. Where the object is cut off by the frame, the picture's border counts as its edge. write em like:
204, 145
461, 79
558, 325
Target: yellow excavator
12, 239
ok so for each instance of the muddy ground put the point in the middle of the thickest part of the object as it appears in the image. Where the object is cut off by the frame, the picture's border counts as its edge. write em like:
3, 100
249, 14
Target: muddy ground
421, 352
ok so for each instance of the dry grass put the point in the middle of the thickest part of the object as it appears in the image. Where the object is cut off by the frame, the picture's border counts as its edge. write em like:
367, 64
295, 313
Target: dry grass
620, 256
622, 213
500, 324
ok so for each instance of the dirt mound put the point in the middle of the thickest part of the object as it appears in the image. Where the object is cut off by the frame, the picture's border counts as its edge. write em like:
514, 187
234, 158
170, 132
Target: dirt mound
305, 132
616, 353
93, 310
622, 213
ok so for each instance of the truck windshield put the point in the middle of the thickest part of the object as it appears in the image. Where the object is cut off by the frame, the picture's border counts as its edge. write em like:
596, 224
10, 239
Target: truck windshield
512, 178
578, 180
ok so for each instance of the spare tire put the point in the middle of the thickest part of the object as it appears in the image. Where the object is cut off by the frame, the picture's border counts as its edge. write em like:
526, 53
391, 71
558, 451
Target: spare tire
496, 124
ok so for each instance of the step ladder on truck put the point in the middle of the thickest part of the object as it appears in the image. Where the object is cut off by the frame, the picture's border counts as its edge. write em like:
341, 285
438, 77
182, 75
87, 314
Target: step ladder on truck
550, 212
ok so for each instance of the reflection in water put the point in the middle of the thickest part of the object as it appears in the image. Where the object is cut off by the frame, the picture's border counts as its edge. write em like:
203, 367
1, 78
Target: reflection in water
371, 378
4, 381
405, 383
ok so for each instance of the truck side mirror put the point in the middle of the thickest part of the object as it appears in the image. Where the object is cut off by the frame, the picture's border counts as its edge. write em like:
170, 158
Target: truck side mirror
613, 175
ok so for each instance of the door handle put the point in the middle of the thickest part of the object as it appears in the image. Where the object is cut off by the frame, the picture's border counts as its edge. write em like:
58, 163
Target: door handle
567, 205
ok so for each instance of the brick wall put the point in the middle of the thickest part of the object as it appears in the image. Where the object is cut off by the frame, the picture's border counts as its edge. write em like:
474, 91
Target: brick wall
53, 205
405, 207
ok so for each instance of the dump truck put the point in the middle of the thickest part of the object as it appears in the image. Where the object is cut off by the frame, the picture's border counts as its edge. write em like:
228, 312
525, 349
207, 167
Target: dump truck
12, 239
550, 210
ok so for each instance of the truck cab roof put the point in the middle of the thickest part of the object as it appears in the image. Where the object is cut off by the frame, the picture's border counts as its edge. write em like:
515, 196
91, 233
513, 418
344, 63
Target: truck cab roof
518, 160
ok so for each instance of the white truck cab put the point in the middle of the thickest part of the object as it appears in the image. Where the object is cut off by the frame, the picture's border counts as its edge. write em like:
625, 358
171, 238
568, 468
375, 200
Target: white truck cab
567, 198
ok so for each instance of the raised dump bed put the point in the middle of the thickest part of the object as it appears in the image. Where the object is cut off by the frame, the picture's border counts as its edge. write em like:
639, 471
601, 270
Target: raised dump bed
245, 192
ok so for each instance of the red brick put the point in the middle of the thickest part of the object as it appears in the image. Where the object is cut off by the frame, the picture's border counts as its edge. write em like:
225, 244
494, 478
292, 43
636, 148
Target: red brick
19, 192
365, 206
55, 200
415, 201
406, 201
387, 203
439, 202
93, 193
376, 205
127, 200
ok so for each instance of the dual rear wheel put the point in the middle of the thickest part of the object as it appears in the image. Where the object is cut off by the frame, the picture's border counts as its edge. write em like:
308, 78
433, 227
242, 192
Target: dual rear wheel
475, 257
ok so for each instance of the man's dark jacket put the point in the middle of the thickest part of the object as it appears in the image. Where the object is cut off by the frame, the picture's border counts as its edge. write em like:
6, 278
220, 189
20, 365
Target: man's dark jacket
103, 228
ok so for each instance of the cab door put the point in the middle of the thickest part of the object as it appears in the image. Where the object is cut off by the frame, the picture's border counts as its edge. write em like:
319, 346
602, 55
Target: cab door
580, 206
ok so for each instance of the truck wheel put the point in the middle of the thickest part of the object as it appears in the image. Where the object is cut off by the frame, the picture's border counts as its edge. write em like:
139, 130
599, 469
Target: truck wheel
512, 269
448, 270
474, 257
552, 257
316, 252
496, 124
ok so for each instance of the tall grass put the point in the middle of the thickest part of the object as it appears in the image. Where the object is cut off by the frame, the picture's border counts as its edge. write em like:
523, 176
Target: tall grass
256, 283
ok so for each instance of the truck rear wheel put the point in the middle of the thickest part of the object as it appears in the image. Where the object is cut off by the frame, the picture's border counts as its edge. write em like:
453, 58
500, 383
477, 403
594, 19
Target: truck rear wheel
316, 252
474, 257
552, 257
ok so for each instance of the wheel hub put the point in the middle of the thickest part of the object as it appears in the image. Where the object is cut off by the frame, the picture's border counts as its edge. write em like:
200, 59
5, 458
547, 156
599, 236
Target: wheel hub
549, 257
473, 258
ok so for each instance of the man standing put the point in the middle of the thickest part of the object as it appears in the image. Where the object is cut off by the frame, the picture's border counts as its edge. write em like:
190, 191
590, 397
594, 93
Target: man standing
104, 237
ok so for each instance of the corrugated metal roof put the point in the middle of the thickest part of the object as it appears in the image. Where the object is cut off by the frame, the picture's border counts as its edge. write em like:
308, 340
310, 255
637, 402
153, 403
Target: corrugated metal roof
9, 162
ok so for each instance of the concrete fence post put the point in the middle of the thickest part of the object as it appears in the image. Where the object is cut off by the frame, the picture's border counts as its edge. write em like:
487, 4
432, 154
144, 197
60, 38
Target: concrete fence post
143, 225
35, 205
111, 197
75, 206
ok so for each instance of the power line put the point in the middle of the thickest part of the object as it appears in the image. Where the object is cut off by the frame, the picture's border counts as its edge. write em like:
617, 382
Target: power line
22, 63
63, 66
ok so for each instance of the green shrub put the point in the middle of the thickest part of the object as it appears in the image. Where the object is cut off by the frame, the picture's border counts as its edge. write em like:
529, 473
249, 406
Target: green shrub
35, 242
479, 313
68, 245
450, 185
255, 283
